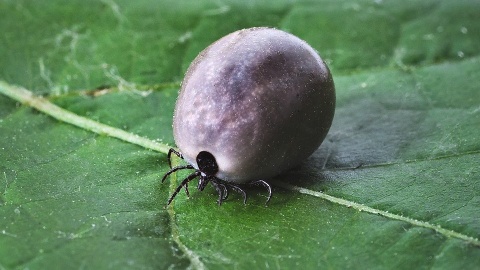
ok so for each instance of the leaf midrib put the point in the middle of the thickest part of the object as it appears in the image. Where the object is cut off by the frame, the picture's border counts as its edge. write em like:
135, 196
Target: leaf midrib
44, 105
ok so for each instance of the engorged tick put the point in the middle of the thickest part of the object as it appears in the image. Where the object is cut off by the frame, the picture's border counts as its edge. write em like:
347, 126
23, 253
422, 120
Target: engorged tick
254, 104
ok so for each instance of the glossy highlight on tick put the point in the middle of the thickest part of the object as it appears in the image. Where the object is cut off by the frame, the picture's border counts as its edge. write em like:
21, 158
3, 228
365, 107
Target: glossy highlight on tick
254, 104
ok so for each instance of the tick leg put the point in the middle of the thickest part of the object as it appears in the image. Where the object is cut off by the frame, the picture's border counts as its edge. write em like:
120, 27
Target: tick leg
172, 170
186, 190
203, 182
170, 154
225, 185
184, 182
241, 191
225, 191
266, 185
220, 189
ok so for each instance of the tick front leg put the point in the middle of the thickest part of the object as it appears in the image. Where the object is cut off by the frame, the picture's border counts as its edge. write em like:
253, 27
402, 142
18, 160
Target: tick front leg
172, 170
184, 182
178, 154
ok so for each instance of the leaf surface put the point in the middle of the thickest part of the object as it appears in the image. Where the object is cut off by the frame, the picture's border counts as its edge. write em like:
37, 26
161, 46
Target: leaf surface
394, 185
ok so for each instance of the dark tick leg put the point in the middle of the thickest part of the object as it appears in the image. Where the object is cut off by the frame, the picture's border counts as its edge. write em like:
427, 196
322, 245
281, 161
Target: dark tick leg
184, 182
172, 170
225, 191
170, 154
225, 185
186, 190
264, 184
203, 182
220, 189
241, 191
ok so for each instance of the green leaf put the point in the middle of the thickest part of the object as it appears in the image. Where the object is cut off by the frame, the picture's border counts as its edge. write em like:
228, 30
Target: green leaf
394, 185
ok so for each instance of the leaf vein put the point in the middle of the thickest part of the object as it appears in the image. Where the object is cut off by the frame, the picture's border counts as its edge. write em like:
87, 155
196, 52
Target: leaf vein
360, 207
43, 105
192, 256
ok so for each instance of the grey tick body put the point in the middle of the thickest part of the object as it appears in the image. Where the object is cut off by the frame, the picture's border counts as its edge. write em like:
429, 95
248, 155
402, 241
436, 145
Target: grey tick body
259, 100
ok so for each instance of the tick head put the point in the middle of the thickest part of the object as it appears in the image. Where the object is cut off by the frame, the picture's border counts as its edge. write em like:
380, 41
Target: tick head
206, 163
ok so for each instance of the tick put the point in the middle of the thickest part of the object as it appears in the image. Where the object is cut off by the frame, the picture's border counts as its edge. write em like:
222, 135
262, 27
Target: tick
253, 104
